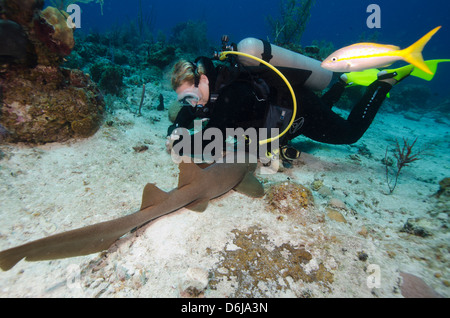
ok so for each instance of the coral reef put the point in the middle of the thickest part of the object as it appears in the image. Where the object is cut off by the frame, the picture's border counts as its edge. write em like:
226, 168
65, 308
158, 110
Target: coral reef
292, 200
109, 77
21, 12
52, 30
15, 44
48, 104
49, 38
161, 55
259, 267
111, 81
40, 101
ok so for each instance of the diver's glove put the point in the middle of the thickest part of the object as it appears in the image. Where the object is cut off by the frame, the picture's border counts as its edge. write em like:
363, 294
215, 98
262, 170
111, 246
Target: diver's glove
170, 140
395, 76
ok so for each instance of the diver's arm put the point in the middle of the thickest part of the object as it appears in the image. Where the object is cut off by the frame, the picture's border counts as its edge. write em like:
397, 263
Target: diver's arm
184, 119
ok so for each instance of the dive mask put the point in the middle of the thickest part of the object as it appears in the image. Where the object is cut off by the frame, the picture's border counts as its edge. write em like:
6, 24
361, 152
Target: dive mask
190, 97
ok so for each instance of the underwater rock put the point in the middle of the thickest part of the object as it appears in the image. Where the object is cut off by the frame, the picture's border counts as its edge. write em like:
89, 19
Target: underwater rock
293, 200
336, 215
422, 227
49, 104
414, 287
194, 283
140, 149
442, 209
362, 256
444, 188
289, 197
337, 204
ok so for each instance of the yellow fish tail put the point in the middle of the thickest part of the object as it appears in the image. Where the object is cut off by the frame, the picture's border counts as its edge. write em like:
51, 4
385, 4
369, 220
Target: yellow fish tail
413, 54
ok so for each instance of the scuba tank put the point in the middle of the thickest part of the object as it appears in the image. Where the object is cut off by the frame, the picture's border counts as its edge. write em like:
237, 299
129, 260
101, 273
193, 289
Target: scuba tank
298, 69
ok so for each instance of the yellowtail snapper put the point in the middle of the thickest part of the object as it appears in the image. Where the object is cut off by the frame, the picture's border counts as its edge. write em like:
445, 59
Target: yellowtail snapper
362, 56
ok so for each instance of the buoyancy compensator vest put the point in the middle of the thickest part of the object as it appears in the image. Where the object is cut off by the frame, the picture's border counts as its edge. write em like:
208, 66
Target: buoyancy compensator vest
272, 66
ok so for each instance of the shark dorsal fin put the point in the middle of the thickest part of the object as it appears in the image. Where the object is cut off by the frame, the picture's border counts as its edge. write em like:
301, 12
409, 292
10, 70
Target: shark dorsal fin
250, 186
152, 195
188, 173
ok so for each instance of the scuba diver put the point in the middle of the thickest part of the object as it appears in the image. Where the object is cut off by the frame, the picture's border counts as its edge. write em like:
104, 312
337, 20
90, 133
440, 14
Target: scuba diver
236, 96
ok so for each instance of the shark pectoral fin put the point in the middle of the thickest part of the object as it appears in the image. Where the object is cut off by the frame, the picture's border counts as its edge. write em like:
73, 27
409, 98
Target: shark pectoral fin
250, 186
203, 165
152, 195
188, 173
199, 205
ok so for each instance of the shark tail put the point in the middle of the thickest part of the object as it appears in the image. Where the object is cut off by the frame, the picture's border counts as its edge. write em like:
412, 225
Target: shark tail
413, 54
82, 241
86, 240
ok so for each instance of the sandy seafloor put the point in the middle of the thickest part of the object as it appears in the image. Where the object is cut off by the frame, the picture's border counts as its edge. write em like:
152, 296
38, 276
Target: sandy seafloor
57, 187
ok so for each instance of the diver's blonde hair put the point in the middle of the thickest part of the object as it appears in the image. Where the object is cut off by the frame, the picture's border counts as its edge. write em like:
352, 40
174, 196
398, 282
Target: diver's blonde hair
184, 71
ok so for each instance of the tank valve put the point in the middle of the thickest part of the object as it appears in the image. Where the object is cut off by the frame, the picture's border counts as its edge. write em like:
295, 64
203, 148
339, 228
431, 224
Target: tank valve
225, 46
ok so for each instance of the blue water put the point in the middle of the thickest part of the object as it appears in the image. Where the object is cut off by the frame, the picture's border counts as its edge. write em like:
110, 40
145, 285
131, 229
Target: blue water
340, 22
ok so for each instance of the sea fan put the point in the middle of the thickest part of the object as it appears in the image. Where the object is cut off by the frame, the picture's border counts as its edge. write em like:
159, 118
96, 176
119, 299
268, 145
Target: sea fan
404, 156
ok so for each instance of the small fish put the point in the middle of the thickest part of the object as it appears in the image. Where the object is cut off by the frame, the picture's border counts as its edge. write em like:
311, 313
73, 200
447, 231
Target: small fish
362, 56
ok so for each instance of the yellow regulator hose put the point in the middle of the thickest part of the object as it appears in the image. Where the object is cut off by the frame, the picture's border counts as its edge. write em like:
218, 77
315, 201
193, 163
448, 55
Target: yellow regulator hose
223, 56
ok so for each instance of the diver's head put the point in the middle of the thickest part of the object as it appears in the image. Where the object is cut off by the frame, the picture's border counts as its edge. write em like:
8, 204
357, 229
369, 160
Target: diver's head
191, 81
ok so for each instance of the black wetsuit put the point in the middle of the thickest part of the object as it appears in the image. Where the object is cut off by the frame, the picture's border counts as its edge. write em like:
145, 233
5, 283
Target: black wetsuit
238, 106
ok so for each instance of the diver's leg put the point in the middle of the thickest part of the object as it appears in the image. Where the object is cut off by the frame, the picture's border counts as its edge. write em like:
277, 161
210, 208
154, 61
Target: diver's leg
323, 125
365, 110
332, 96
